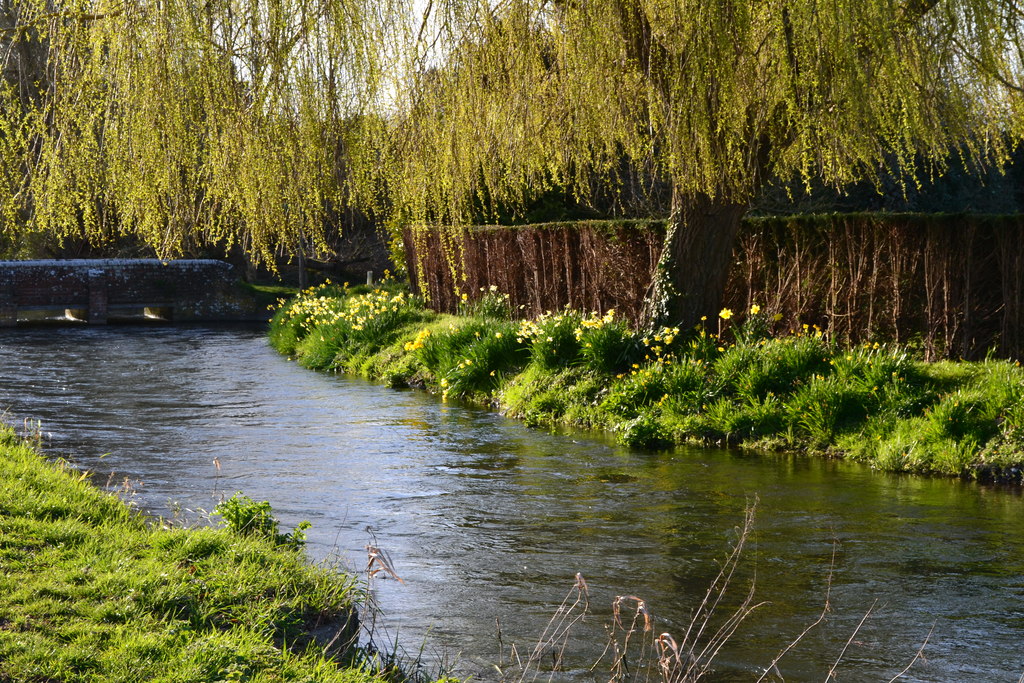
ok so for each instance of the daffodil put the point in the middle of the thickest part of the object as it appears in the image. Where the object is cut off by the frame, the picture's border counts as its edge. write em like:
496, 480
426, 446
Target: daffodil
725, 313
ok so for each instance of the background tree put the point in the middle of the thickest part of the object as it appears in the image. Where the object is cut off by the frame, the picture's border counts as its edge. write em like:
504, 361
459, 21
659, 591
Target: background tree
714, 99
183, 123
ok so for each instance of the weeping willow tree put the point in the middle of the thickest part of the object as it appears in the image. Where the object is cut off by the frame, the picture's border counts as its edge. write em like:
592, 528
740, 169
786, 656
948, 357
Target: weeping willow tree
712, 98
251, 122
186, 122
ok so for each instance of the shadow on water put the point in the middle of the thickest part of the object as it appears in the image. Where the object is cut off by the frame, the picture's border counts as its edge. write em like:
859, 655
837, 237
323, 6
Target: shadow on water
487, 520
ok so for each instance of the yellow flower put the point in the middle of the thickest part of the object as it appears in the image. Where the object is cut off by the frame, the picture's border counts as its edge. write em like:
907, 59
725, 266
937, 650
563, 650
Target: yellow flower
755, 309
465, 296
725, 313
497, 335
777, 317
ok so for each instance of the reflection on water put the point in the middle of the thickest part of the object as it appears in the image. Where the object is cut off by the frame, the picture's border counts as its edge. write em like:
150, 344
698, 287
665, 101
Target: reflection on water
486, 520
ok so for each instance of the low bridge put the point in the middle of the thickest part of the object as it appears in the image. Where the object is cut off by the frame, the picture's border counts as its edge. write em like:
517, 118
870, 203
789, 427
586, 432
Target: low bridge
98, 291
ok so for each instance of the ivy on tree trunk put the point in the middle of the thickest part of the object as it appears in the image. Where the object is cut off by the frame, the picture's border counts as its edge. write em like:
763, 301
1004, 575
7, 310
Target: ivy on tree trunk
690, 276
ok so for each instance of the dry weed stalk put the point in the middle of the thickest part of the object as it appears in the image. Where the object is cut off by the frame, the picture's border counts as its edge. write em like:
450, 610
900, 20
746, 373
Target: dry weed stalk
826, 608
555, 637
637, 654
690, 658
773, 668
920, 655
32, 431
378, 561
842, 653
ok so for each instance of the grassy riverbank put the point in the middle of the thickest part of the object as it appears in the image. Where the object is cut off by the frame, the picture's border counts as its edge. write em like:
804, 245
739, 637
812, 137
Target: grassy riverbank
746, 382
94, 591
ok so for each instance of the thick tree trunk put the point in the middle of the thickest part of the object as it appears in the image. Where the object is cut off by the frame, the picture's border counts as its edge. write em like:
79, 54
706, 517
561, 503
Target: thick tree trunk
691, 274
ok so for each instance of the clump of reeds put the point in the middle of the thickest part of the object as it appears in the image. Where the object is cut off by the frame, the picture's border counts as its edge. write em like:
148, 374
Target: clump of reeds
635, 649
638, 649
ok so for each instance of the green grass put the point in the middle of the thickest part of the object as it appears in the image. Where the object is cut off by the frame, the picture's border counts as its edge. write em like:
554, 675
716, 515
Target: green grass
93, 591
738, 382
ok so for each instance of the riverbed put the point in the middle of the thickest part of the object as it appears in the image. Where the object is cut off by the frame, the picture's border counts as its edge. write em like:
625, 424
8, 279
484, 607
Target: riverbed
488, 522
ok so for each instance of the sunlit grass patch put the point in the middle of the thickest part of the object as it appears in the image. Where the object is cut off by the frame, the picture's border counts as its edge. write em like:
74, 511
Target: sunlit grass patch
469, 356
779, 366
655, 384
93, 591
488, 303
481, 362
571, 395
324, 327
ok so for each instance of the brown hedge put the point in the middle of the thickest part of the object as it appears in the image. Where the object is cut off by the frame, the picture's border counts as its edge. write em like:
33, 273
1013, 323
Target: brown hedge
953, 284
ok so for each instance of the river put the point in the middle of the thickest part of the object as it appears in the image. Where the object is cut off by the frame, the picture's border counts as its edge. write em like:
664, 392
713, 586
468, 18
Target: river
488, 522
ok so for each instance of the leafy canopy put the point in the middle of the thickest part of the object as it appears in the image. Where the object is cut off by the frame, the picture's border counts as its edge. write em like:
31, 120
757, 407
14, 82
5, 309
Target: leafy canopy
253, 122
184, 122
713, 98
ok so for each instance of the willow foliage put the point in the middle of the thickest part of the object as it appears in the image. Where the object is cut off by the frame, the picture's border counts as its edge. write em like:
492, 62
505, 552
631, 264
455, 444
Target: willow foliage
709, 98
713, 97
185, 122
252, 122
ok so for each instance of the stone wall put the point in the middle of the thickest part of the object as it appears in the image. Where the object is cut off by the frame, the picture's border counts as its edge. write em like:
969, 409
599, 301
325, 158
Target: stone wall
109, 289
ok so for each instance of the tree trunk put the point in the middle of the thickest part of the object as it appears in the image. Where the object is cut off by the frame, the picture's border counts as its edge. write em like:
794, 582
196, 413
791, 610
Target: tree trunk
690, 277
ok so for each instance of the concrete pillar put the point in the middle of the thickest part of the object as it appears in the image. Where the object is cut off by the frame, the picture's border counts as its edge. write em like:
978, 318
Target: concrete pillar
8, 304
97, 297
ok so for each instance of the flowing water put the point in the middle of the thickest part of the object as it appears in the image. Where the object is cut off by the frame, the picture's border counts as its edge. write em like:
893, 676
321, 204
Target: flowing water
487, 522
